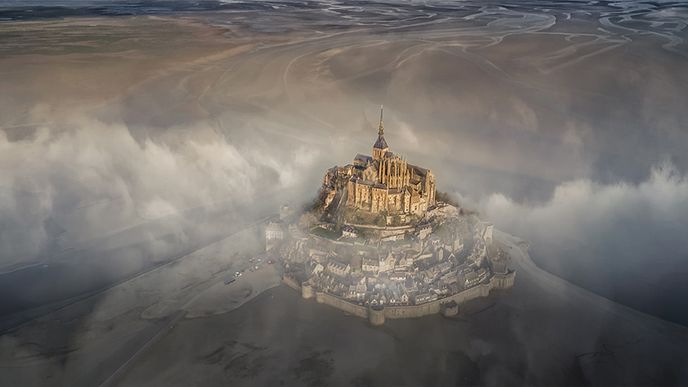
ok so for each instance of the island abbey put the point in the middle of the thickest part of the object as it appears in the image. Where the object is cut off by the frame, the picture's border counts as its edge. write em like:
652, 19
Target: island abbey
379, 245
381, 184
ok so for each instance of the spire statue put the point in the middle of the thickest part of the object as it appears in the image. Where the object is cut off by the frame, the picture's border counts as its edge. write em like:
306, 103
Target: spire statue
380, 147
381, 128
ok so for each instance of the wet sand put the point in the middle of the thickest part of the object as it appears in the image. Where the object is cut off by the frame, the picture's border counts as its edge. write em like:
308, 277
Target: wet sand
542, 332
93, 340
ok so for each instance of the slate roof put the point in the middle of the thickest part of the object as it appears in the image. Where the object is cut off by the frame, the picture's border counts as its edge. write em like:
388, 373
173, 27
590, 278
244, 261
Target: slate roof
419, 170
381, 143
363, 158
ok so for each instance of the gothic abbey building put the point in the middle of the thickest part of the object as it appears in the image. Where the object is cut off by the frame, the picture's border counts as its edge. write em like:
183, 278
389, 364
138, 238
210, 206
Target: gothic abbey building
381, 184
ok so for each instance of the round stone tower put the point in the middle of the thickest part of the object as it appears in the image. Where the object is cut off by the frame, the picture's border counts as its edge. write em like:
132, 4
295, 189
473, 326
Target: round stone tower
450, 309
306, 290
376, 315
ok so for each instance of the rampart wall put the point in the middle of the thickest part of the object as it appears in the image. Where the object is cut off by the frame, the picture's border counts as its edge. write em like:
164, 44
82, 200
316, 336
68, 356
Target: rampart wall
497, 281
385, 231
341, 304
382, 228
413, 311
292, 283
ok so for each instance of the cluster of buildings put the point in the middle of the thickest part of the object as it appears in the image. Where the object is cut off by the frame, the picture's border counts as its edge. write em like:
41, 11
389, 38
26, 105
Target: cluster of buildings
421, 268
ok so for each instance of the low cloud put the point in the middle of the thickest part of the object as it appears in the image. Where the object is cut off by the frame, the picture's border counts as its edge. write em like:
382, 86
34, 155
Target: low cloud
79, 179
622, 240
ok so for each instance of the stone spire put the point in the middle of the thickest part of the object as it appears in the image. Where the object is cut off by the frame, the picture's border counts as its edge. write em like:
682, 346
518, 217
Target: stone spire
381, 128
380, 147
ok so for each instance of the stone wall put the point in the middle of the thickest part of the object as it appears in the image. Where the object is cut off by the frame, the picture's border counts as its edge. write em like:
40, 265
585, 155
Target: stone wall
433, 307
413, 311
504, 280
341, 304
382, 228
497, 281
292, 283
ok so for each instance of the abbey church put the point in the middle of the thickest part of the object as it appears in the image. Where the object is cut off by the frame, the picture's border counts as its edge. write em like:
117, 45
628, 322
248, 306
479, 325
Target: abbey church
383, 183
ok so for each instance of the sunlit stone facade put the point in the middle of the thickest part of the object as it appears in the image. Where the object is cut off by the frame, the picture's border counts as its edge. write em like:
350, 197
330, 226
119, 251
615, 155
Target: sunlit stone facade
381, 183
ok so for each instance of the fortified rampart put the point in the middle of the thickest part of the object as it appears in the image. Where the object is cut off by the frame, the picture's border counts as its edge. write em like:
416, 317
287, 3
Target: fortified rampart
385, 231
292, 283
341, 304
377, 316
381, 228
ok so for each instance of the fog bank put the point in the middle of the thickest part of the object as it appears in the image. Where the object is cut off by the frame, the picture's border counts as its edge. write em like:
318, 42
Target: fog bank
624, 241
61, 187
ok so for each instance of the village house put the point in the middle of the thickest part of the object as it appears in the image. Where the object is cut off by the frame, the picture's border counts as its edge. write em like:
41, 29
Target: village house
349, 232
370, 265
338, 268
